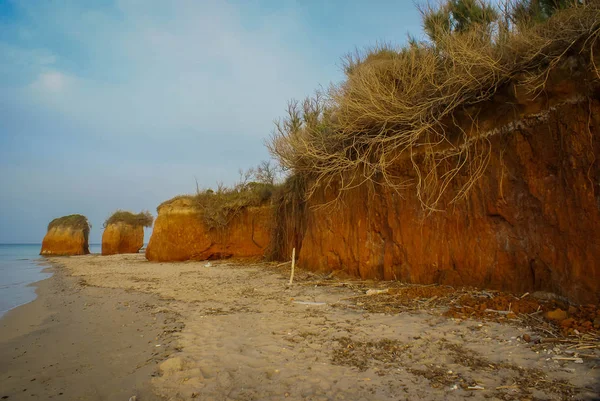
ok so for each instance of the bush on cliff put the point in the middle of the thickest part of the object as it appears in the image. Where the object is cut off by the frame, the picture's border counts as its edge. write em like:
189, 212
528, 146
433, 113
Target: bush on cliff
72, 221
400, 104
143, 219
218, 207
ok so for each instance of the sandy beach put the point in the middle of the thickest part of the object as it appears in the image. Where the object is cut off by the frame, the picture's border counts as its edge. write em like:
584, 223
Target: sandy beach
118, 326
75, 342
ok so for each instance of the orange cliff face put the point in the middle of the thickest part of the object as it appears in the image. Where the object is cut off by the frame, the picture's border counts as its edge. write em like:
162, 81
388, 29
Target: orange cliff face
63, 241
179, 234
122, 238
530, 223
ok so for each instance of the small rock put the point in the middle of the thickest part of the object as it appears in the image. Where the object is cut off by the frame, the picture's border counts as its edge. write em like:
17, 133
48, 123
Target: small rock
476, 387
557, 314
375, 292
527, 337
567, 322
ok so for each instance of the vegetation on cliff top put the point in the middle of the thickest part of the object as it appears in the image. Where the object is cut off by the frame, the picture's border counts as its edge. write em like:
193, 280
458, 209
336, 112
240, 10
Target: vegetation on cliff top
218, 207
400, 104
73, 221
143, 219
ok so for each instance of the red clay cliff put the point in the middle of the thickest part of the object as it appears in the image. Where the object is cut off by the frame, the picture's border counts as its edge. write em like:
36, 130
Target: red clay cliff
530, 222
180, 234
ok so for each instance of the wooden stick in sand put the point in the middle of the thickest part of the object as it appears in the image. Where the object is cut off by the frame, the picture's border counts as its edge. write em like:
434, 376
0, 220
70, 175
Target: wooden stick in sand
293, 263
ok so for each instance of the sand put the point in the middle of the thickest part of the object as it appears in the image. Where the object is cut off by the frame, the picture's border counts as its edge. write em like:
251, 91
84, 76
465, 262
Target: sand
233, 331
75, 342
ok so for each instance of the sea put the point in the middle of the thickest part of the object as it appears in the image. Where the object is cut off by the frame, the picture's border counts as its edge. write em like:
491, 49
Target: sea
21, 266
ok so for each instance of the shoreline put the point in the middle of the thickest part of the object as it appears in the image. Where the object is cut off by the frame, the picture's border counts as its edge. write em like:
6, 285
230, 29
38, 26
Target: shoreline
45, 266
22, 313
79, 342
35, 284
19, 291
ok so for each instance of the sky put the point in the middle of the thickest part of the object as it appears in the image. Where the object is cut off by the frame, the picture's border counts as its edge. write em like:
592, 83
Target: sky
122, 104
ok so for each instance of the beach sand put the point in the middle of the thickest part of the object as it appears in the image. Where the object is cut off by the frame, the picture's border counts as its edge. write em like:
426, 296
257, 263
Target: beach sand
75, 342
116, 326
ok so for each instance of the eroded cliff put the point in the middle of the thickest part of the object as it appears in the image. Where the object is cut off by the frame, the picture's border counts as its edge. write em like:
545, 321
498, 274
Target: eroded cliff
180, 233
529, 223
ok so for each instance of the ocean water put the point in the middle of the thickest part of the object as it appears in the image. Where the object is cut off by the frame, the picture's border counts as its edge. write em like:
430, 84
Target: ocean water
21, 265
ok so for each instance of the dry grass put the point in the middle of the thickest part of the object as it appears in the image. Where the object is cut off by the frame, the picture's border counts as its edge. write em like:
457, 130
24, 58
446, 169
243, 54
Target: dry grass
218, 208
399, 105
73, 221
143, 219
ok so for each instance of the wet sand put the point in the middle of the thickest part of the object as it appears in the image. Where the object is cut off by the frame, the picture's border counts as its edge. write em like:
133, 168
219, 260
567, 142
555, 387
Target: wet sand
246, 336
76, 342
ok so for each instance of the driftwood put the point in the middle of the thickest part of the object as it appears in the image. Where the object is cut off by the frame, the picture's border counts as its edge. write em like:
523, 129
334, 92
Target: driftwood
293, 263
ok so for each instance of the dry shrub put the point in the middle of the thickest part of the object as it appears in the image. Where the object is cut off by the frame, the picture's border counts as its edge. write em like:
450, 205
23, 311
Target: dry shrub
73, 221
399, 105
143, 219
218, 207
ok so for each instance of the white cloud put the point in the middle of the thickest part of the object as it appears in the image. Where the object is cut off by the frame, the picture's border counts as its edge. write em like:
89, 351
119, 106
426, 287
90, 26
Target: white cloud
51, 81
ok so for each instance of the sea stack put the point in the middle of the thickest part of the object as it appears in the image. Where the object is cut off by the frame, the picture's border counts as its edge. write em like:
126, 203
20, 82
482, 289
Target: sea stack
124, 232
67, 235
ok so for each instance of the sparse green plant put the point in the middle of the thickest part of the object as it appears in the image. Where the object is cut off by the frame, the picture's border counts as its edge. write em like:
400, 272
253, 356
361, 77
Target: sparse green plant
527, 12
143, 219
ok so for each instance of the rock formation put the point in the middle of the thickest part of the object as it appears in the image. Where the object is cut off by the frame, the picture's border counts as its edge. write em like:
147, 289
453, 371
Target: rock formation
122, 238
124, 232
67, 235
180, 233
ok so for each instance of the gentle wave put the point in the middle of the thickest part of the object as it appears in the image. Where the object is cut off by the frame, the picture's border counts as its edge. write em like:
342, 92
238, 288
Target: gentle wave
20, 266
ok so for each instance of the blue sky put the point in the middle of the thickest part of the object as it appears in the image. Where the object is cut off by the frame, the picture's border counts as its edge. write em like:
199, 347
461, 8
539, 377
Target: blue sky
123, 104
